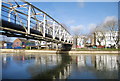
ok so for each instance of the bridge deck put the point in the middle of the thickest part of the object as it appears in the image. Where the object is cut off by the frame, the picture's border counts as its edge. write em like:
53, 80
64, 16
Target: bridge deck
14, 30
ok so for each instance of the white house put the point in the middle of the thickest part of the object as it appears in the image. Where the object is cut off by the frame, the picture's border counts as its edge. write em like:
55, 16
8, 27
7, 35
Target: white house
107, 38
80, 42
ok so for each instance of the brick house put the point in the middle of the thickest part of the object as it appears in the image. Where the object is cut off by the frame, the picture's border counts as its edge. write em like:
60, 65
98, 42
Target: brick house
22, 43
19, 43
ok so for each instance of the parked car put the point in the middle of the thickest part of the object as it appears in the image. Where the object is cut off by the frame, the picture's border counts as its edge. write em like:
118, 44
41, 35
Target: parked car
94, 46
100, 46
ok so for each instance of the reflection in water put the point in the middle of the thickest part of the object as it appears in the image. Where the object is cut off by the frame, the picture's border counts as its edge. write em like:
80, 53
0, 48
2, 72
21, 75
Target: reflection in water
61, 71
94, 66
48, 66
59, 66
106, 62
100, 62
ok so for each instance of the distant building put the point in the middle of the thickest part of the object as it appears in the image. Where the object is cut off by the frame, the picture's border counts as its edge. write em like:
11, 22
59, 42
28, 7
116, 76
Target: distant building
5, 45
108, 40
9, 45
78, 42
19, 43
22, 43
74, 42
2, 44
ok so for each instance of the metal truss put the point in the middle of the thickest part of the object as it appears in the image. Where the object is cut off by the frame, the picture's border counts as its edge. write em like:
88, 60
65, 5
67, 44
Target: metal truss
32, 18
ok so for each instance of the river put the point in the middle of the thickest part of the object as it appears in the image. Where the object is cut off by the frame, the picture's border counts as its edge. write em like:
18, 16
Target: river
59, 66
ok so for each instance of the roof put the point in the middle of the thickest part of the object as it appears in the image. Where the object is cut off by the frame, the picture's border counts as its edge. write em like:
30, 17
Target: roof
5, 42
23, 40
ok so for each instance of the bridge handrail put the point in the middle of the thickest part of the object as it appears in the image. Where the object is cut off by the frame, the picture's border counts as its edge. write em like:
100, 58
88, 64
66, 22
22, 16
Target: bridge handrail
32, 18
46, 14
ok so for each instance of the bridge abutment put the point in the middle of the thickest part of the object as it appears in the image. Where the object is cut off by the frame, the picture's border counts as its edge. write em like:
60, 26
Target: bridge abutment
66, 47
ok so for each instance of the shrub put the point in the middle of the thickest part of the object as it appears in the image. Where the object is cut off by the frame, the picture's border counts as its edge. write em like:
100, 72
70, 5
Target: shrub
27, 47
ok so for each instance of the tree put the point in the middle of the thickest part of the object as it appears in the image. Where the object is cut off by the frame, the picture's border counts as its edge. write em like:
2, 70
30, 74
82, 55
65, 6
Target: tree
112, 27
5, 38
99, 33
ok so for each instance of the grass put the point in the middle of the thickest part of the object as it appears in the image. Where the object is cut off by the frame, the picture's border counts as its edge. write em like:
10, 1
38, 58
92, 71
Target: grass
97, 49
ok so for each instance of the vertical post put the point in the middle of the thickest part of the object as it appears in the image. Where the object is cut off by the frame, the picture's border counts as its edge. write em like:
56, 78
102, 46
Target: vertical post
15, 19
71, 39
39, 25
44, 24
64, 35
52, 45
56, 46
60, 33
67, 37
53, 29
94, 39
28, 24
9, 16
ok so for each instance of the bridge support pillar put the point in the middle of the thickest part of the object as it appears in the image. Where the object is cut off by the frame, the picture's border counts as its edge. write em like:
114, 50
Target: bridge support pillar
66, 47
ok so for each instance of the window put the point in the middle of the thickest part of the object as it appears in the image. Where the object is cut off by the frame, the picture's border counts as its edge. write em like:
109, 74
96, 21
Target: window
23, 43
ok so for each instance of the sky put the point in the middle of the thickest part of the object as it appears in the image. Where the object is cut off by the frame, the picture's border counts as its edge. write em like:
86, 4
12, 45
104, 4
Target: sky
80, 16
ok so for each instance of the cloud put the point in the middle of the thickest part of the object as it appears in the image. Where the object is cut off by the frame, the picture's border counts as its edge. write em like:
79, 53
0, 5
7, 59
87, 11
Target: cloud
81, 3
109, 18
91, 27
70, 22
77, 29
81, 29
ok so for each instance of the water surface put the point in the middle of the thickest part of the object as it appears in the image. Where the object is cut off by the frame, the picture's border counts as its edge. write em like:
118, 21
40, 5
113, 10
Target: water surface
59, 66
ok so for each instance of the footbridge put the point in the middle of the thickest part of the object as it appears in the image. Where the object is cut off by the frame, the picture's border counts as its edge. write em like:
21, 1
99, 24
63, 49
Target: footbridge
27, 21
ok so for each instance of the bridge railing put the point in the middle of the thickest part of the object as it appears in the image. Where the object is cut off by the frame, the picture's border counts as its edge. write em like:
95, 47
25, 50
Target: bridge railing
31, 17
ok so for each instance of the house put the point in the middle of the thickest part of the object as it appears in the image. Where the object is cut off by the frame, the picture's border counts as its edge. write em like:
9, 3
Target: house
9, 45
2, 44
78, 42
19, 43
109, 39
22, 43
30, 43
5, 45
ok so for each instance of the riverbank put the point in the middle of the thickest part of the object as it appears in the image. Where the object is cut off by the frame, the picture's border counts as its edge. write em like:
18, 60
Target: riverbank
56, 52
